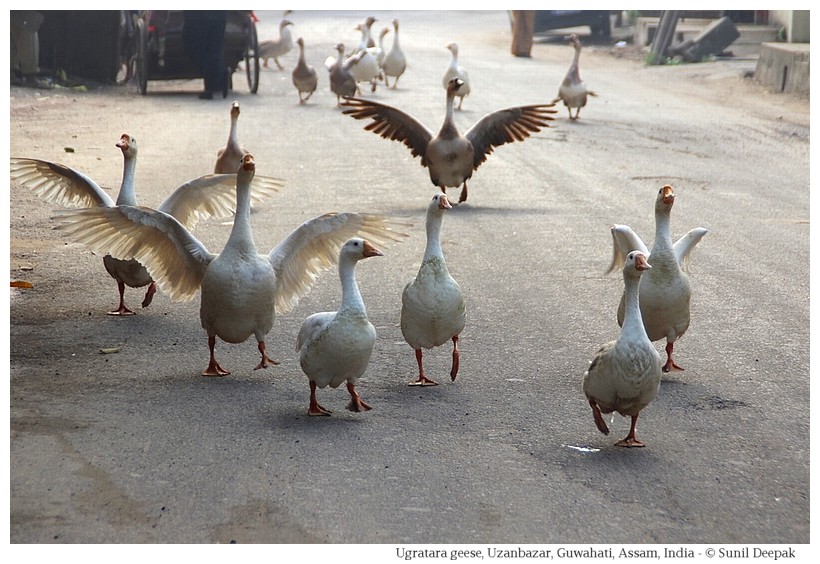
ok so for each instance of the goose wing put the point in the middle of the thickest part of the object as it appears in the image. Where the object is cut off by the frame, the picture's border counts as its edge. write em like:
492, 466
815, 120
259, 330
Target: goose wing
174, 258
684, 246
214, 195
391, 123
314, 247
624, 241
505, 126
58, 183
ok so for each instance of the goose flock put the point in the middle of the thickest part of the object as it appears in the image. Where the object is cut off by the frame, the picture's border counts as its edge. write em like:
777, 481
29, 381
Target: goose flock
242, 290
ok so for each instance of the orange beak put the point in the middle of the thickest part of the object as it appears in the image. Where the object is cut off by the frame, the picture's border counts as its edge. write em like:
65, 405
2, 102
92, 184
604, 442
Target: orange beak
444, 203
248, 163
371, 251
641, 263
668, 195
123, 142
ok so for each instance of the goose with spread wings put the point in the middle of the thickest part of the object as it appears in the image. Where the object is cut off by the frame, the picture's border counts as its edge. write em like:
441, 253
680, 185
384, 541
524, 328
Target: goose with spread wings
210, 195
449, 156
241, 289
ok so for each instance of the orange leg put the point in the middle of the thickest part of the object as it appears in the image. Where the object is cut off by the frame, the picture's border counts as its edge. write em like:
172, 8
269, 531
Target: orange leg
316, 409
454, 369
670, 364
149, 294
213, 366
599, 419
266, 361
121, 310
463, 196
356, 404
423, 380
631, 441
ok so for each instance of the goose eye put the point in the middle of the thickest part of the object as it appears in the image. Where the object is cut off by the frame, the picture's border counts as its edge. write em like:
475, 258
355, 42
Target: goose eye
355, 243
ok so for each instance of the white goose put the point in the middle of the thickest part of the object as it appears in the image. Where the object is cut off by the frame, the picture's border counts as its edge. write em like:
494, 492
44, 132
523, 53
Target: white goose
456, 71
394, 63
241, 290
449, 156
229, 156
275, 48
625, 374
365, 67
304, 75
433, 310
665, 290
207, 196
573, 91
336, 345
379, 51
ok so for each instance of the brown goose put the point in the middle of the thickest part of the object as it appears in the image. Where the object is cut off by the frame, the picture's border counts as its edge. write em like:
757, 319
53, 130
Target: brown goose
229, 156
450, 156
573, 91
275, 48
342, 81
304, 75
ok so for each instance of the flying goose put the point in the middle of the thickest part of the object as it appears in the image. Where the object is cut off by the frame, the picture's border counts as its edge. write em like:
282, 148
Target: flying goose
665, 290
449, 156
229, 156
394, 63
433, 310
207, 196
625, 374
241, 289
335, 346
454, 70
573, 91
275, 48
304, 75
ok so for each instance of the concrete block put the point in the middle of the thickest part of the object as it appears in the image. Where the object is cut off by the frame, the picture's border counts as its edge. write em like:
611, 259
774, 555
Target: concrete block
784, 67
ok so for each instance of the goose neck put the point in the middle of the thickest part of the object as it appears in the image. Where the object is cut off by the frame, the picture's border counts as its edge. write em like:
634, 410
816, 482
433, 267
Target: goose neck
351, 296
633, 322
433, 227
241, 234
663, 233
127, 195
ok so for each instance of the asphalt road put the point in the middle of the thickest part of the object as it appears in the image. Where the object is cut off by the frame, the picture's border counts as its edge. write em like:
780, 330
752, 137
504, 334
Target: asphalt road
136, 447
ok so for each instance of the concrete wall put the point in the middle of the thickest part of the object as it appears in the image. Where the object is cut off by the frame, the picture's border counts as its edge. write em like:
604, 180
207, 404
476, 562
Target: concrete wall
796, 23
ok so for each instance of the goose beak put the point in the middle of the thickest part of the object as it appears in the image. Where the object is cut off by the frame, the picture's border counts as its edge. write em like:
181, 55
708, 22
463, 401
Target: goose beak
248, 163
369, 250
444, 203
668, 196
641, 263
123, 142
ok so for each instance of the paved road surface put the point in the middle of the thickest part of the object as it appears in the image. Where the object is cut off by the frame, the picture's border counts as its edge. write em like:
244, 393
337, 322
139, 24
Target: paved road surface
136, 447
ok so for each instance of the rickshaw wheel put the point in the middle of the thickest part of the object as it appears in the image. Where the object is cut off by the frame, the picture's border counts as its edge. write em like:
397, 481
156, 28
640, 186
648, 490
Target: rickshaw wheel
252, 58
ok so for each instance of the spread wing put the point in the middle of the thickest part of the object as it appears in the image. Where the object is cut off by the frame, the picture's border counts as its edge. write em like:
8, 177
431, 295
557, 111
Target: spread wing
174, 258
58, 183
624, 241
683, 247
214, 195
390, 123
314, 247
505, 126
